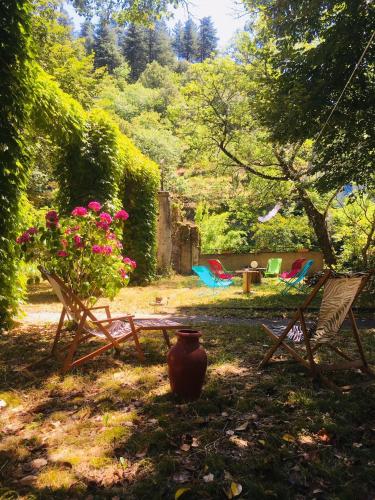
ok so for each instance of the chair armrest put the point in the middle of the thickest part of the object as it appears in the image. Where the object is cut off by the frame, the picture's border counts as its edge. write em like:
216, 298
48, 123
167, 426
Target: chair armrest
110, 320
107, 310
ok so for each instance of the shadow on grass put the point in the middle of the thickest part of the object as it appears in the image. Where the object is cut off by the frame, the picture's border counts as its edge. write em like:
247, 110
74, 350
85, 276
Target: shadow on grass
271, 431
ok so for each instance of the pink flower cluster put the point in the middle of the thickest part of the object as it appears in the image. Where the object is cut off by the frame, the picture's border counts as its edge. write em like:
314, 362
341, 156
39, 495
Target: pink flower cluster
52, 219
122, 215
95, 206
102, 249
26, 236
130, 262
79, 211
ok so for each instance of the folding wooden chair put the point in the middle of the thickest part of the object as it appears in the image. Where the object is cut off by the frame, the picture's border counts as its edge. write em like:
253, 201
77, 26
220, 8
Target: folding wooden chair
340, 293
110, 330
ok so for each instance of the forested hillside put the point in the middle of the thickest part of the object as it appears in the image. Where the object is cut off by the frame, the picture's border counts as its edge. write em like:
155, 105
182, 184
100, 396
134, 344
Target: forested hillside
211, 123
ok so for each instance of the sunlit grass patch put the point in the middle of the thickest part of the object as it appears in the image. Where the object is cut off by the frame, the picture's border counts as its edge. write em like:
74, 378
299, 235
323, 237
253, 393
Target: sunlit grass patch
55, 478
11, 398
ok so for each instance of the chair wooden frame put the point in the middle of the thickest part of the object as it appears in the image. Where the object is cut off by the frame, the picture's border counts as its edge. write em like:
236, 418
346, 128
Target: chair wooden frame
308, 361
83, 316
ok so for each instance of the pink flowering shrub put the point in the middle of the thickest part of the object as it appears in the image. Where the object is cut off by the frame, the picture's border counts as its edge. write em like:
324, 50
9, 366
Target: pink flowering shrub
83, 249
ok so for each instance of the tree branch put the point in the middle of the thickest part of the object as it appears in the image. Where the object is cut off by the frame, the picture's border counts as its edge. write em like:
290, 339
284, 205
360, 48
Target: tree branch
247, 168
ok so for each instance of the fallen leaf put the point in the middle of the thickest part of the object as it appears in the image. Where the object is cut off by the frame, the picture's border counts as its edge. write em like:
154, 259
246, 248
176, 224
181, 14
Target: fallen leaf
208, 478
28, 480
289, 438
180, 492
357, 445
195, 443
236, 489
242, 427
38, 463
261, 441
324, 436
185, 447
241, 443
306, 440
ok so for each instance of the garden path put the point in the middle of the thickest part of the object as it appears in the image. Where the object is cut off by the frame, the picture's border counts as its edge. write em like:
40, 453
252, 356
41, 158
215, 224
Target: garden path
194, 319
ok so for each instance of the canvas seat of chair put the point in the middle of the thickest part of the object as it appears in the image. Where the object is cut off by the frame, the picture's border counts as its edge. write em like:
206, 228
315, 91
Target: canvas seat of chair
339, 294
116, 329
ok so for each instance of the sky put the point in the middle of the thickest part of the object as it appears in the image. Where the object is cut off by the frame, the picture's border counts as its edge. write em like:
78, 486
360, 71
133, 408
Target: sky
226, 15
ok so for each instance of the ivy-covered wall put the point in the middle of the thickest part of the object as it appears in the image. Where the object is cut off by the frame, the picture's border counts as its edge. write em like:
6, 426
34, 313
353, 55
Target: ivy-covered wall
138, 191
98, 162
15, 102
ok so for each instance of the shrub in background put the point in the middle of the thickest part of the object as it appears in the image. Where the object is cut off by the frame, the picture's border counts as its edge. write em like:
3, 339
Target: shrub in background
283, 234
138, 192
216, 235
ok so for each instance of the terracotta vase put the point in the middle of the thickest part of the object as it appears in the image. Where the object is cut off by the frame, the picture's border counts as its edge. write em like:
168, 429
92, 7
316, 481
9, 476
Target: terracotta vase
187, 364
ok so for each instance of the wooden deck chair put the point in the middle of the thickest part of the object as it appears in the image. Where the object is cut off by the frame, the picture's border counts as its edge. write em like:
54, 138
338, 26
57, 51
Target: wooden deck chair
110, 330
339, 295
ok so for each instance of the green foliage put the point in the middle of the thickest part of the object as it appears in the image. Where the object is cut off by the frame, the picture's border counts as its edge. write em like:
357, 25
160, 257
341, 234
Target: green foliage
139, 11
15, 97
216, 235
207, 39
157, 141
82, 249
107, 53
283, 234
88, 166
61, 54
310, 49
190, 40
138, 188
98, 162
142, 45
354, 231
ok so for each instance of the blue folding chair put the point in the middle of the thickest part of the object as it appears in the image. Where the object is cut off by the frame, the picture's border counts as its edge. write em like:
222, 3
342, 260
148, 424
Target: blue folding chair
296, 281
209, 279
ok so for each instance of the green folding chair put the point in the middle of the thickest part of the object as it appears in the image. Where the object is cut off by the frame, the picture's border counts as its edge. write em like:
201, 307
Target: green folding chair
273, 267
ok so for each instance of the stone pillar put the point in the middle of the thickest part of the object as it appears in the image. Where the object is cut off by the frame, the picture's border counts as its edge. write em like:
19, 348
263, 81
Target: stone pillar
164, 252
188, 236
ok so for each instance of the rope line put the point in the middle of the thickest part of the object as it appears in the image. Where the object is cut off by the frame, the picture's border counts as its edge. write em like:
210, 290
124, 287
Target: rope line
345, 87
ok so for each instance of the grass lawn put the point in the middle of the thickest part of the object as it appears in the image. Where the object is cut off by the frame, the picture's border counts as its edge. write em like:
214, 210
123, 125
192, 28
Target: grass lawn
113, 430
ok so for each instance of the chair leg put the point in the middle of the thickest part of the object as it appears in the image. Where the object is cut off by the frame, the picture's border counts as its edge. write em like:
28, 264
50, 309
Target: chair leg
166, 338
358, 341
68, 361
279, 342
140, 354
58, 331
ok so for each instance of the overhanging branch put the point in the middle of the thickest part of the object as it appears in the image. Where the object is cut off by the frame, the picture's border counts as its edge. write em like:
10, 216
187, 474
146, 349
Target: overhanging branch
248, 168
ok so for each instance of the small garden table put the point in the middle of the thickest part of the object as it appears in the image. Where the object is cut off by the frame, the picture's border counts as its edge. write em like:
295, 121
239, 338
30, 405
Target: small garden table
249, 276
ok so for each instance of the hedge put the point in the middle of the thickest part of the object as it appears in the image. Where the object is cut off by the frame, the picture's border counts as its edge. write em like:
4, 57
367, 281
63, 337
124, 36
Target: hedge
15, 102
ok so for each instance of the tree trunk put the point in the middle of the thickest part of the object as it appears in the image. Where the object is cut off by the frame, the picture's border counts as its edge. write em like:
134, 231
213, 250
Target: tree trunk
319, 224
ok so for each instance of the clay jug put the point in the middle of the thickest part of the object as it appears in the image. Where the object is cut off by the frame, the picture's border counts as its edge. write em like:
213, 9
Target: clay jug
187, 364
